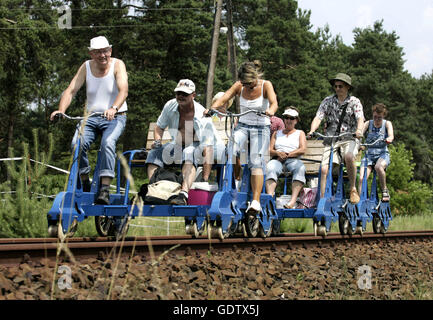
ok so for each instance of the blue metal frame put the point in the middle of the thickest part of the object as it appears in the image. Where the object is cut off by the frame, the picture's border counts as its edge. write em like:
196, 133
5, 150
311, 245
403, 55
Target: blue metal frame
332, 202
228, 206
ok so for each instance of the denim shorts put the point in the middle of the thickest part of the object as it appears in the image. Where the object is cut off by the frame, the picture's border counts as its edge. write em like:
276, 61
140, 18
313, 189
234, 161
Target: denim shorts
258, 138
373, 158
171, 153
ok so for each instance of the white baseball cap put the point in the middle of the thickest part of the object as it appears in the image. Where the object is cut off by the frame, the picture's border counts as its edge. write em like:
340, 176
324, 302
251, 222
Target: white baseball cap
99, 43
185, 85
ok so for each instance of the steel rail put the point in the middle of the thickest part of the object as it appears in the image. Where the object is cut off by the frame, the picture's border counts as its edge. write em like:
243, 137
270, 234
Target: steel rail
16, 251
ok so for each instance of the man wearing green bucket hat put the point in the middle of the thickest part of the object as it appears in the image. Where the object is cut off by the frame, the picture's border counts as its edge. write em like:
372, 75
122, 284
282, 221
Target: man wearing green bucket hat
343, 113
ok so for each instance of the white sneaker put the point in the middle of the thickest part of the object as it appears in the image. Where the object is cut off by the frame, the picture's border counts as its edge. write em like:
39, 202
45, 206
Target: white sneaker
254, 206
238, 184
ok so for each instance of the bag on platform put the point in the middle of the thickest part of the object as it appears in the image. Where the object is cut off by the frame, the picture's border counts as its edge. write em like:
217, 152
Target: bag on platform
163, 186
307, 198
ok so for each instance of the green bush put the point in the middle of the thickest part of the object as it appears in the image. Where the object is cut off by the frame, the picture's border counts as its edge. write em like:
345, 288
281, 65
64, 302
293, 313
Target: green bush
23, 217
22, 209
408, 196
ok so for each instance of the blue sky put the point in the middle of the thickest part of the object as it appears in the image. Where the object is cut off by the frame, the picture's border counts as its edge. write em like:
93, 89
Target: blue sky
411, 20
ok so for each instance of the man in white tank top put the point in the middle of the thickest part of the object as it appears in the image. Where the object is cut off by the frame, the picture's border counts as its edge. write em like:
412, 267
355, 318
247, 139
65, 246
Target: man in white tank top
107, 88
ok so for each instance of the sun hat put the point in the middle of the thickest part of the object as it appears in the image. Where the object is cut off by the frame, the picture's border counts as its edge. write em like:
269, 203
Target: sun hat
185, 85
99, 43
219, 95
291, 112
342, 77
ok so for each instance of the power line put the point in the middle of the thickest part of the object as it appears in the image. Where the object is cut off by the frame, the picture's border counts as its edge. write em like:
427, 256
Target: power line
83, 27
112, 9
77, 27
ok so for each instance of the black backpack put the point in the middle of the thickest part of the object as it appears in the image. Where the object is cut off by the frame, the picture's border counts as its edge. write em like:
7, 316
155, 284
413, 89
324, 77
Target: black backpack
165, 174
163, 186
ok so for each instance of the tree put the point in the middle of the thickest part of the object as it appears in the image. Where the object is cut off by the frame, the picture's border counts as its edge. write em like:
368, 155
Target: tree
424, 118
26, 67
378, 76
277, 33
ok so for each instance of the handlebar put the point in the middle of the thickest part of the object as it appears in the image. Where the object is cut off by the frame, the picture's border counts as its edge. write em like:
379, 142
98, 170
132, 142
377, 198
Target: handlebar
63, 115
211, 112
317, 134
373, 143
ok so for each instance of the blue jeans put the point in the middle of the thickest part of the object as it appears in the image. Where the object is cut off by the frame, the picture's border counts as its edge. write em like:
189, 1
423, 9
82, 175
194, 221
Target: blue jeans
274, 168
258, 138
111, 131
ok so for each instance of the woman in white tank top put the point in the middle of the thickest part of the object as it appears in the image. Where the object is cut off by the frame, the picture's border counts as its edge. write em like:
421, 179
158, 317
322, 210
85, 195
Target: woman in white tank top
286, 147
255, 94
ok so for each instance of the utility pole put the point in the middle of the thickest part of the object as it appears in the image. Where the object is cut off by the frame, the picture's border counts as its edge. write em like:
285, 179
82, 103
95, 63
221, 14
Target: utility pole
211, 69
231, 48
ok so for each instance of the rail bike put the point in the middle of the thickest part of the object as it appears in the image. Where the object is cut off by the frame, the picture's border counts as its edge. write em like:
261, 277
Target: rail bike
336, 207
223, 214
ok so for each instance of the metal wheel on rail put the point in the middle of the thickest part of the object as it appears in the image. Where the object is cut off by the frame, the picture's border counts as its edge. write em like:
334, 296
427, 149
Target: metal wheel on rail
343, 224
192, 229
252, 225
215, 232
276, 224
121, 227
70, 233
359, 230
52, 229
378, 226
319, 229
105, 226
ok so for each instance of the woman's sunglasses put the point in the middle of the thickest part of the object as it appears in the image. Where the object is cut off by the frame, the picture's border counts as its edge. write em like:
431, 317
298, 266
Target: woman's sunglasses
291, 118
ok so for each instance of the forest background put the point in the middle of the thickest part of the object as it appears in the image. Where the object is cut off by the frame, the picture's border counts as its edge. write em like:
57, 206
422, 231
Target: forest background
167, 40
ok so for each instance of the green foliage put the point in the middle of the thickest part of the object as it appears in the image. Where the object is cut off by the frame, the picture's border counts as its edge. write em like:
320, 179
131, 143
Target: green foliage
22, 211
27, 70
22, 217
408, 196
400, 170
415, 200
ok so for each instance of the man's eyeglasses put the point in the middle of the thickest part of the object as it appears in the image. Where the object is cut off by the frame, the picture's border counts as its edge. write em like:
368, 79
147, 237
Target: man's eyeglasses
338, 86
181, 93
290, 118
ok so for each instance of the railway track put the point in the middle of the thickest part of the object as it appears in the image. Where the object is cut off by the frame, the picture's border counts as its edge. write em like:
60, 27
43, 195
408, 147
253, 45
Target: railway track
16, 251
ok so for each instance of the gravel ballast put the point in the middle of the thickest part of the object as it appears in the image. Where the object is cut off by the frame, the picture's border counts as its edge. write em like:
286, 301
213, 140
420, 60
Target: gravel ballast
379, 270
